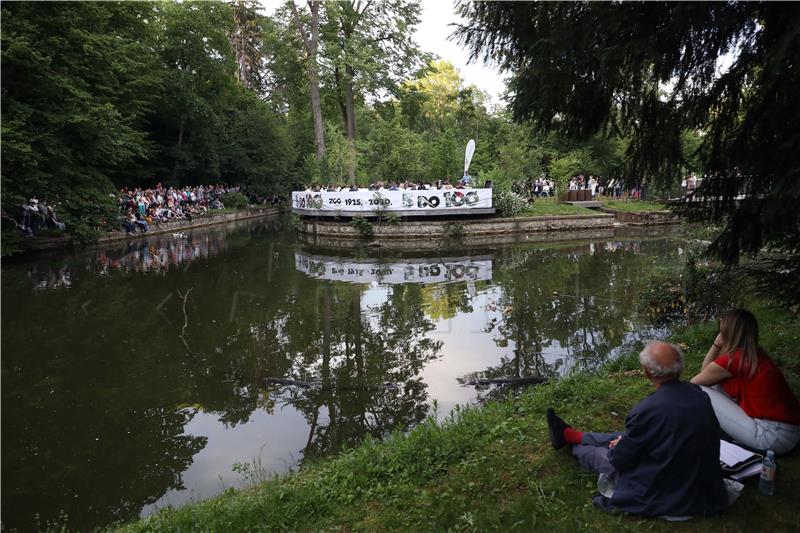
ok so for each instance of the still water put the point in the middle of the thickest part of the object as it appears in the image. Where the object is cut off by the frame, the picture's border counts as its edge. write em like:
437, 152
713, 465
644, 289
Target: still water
134, 377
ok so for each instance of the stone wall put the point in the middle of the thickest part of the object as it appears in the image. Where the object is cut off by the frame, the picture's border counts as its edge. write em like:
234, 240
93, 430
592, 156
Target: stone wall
437, 229
54, 243
643, 218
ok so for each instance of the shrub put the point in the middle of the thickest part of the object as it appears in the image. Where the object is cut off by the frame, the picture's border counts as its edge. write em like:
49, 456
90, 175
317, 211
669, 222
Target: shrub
234, 200
392, 219
363, 226
509, 204
454, 230
696, 292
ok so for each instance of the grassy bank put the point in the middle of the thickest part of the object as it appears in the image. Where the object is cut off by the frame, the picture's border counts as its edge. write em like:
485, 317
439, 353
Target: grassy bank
550, 207
492, 467
634, 206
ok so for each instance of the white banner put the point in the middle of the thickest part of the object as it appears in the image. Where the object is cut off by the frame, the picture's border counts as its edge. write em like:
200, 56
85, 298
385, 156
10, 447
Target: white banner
433, 270
370, 202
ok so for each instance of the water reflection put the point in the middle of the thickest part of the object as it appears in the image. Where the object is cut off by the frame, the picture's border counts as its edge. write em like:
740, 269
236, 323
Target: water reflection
408, 270
555, 315
155, 254
130, 391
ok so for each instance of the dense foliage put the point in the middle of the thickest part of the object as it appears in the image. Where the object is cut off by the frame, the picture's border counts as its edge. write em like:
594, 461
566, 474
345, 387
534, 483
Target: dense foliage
102, 95
653, 71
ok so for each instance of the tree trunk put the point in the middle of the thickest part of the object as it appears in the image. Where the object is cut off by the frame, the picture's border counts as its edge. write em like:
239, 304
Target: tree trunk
337, 80
350, 120
311, 43
180, 142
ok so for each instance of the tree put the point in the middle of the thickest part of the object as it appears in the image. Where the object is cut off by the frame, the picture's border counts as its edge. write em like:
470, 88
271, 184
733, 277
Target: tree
440, 88
198, 58
369, 48
79, 81
102, 95
310, 38
246, 41
654, 71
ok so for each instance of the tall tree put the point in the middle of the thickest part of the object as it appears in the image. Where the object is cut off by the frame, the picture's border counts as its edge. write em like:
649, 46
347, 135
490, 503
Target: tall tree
246, 41
310, 38
370, 49
656, 70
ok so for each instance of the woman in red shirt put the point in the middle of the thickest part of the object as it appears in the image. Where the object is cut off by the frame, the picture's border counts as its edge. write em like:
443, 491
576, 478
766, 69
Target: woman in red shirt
751, 399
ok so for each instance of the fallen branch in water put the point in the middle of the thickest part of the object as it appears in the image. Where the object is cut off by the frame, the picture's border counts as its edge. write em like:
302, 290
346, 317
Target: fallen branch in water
318, 385
185, 318
531, 380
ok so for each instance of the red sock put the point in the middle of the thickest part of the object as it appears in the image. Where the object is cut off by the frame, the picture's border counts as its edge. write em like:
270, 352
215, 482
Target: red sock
572, 436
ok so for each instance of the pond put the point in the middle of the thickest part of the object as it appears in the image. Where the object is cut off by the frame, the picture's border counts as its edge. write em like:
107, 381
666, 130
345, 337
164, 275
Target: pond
166, 370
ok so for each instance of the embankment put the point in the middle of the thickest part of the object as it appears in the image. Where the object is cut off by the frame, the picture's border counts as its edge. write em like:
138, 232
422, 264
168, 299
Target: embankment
642, 218
41, 244
416, 229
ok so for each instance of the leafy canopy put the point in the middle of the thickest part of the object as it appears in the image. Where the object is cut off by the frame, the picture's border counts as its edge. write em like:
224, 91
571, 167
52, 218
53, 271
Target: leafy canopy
655, 70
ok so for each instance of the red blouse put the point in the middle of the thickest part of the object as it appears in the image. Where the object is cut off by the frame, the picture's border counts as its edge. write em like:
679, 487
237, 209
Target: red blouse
765, 395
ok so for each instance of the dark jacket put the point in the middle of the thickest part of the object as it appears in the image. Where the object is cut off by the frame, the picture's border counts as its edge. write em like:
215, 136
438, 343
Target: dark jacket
668, 458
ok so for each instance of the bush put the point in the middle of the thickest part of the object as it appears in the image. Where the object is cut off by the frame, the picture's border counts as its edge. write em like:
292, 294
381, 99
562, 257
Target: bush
454, 230
234, 200
363, 226
392, 219
509, 204
696, 292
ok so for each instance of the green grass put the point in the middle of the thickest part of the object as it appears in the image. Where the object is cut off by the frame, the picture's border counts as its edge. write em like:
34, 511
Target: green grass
635, 205
492, 468
550, 207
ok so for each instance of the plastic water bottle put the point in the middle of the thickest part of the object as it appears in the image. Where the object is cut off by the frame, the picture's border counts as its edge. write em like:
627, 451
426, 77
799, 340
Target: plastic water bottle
768, 467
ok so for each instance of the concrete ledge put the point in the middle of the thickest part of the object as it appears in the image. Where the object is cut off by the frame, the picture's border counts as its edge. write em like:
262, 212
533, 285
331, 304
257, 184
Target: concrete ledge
37, 244
438, 229
643, 218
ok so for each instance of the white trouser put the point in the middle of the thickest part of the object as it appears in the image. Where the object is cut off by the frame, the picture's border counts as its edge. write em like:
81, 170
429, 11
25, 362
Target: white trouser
757, 433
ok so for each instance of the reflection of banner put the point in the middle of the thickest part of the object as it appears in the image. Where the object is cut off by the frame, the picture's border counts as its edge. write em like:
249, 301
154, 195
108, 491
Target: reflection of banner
433, 270
437, 201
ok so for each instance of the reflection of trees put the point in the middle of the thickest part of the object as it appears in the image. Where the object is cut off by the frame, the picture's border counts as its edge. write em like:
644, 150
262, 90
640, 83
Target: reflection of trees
316, 331
574, 306
357, 353
98, 387
90, 427
443, 302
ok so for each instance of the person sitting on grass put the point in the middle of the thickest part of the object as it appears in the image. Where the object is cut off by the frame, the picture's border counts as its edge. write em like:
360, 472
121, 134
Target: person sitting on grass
752, 400
666, 463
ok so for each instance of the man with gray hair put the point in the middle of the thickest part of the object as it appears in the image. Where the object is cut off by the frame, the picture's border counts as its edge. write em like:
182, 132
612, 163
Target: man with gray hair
666, 463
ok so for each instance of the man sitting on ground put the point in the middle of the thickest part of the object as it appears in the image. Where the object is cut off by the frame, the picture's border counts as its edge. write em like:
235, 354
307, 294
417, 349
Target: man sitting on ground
666, 463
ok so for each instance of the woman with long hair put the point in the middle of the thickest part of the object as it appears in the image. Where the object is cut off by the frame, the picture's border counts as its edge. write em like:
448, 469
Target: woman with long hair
752, 400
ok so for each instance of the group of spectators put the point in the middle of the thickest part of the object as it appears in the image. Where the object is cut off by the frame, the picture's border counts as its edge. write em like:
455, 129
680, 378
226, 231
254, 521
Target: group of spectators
380, 186
34, 217
612, 188
141, 207
538, 188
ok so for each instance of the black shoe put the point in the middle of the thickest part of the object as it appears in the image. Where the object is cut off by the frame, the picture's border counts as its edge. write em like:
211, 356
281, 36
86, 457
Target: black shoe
556, 427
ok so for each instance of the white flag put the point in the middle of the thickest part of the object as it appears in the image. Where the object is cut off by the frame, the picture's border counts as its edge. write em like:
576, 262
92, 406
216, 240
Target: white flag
468, 154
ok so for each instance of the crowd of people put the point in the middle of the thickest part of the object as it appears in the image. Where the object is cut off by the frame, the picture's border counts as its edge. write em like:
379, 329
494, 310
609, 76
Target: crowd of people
34, 217
538, 188
142, 207
612, 188
380, 186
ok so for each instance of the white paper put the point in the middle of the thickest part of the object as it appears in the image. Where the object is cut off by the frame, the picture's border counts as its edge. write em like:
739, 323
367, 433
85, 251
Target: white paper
731, 454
